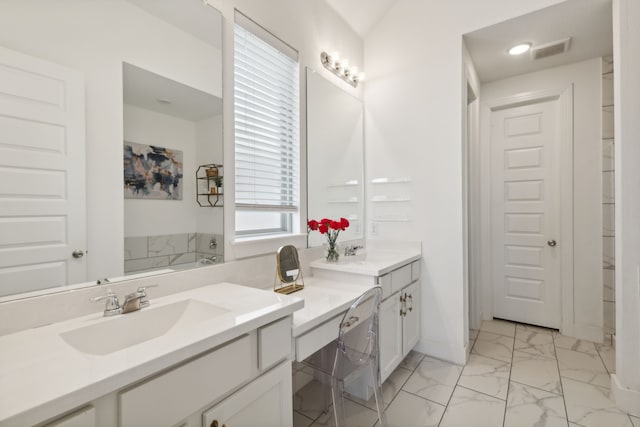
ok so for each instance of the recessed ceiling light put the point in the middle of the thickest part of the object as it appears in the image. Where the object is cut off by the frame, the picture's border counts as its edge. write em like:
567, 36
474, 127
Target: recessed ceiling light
519, 49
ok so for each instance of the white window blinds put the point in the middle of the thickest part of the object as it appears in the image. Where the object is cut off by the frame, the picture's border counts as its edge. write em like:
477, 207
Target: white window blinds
266, 120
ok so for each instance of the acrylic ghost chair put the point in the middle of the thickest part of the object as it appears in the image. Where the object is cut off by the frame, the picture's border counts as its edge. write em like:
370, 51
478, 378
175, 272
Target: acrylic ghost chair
354, 353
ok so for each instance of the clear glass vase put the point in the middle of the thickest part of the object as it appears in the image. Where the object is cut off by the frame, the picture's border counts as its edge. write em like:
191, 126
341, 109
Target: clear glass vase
332, 253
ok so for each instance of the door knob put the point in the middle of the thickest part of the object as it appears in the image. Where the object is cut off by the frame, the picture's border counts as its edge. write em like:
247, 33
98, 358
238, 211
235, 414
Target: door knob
78, 253
551, 243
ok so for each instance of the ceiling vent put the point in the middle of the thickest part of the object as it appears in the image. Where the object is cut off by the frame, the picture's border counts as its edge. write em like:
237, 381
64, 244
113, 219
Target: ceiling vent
550, 49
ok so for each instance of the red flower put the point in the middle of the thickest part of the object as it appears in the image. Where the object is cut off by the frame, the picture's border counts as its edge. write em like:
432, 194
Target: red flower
325, 221
312, 224
335, 225
344, 223
323, 228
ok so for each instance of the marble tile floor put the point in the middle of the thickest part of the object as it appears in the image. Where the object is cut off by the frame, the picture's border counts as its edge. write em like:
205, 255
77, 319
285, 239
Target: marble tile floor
517, 376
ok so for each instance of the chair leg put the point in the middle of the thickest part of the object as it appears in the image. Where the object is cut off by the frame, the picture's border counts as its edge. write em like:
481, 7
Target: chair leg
337, 392
377, 392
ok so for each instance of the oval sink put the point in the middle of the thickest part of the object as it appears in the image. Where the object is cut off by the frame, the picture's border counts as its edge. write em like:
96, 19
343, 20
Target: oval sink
126, 330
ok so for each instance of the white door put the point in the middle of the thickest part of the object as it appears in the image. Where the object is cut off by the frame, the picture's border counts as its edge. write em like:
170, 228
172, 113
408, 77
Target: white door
525, 214
42, 174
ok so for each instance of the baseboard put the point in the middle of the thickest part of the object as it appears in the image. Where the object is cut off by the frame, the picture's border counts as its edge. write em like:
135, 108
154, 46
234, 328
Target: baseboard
626, 399
585, 332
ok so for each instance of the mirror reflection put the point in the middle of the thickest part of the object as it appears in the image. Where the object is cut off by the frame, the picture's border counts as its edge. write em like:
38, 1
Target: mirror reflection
170, 132
335, 157
66, 68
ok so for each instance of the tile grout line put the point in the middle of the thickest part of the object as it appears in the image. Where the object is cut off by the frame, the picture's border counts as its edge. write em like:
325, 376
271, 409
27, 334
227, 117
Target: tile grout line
564, 400
506, 400
454, 389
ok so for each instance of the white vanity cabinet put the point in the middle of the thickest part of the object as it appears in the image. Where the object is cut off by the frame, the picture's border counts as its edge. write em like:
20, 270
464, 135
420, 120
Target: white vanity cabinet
265, 402
176, 398
244, 382
399, 320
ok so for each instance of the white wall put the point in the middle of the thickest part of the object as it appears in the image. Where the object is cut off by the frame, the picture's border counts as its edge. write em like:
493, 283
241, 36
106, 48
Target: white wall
586, 78
626, 56
209, 149
154, 217
310, 27
413, 98
95, 37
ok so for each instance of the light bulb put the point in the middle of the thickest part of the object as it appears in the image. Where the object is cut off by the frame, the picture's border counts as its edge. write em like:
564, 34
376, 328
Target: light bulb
334, 58
353, 72
344, 66
519, 49
361, 76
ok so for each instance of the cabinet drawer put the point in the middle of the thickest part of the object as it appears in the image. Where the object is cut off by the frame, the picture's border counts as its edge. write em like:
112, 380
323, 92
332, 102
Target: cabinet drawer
169, 398
274, 342
415, 271
317, 338
400, 278
384, 281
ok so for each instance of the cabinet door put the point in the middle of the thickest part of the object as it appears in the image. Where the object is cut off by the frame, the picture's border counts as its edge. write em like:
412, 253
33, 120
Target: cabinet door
411, 321
390, 335
265, 402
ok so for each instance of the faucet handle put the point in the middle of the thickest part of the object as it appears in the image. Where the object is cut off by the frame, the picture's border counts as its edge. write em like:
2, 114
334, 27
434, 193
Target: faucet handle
144, 302
112, 306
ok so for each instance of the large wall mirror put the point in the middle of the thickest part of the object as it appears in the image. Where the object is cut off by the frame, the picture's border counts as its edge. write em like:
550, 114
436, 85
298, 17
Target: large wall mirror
87, 86
335, 157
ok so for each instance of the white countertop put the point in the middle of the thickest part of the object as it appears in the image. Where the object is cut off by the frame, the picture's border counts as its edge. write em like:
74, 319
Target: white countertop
370, 263
323, 299
42, 376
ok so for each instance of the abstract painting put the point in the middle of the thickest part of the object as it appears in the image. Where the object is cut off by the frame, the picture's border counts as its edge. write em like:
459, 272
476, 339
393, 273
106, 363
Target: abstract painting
152, 172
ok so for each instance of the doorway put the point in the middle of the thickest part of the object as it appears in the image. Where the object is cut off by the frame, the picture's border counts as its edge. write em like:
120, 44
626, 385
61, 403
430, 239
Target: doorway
524, 184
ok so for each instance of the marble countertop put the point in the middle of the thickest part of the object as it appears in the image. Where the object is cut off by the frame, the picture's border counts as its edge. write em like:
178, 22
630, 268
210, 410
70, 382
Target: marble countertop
323, 300
371, 262
42, 376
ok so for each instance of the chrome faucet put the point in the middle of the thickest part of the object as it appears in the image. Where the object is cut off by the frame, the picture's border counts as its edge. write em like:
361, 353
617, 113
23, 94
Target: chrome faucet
112, 306
351, 250
132, 302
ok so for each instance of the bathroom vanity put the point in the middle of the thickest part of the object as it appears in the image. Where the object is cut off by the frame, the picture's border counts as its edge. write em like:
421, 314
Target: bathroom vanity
397, 272
214, 355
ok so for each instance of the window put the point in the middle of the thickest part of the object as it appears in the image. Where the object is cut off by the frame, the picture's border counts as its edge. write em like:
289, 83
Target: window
266, 110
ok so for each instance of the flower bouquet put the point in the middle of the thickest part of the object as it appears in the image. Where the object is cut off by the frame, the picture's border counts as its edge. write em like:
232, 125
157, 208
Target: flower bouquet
332, 229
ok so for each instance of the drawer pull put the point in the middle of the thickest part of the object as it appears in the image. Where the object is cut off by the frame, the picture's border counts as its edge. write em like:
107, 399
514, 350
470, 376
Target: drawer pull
410, 298
214, 423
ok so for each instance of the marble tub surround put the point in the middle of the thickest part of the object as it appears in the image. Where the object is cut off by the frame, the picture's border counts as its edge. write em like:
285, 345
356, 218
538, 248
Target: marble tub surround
32, 391
158, 251
490, 391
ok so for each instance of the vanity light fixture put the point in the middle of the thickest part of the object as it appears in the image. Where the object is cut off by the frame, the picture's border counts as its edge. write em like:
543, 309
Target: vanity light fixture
519, 49
340, 67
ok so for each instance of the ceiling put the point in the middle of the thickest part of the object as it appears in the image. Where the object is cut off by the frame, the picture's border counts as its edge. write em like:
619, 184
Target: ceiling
144, 89
361, 15
192, 16
587, 22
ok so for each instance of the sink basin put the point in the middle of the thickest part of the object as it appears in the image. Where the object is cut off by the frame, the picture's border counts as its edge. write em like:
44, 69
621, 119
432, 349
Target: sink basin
126, 330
